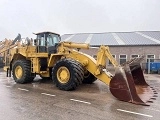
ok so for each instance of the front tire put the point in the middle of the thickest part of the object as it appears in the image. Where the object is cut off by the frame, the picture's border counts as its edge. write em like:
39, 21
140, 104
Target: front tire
22, 71
66, 74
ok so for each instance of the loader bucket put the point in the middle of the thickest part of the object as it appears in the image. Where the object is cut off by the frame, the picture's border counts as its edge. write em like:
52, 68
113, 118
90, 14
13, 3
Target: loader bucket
129, 84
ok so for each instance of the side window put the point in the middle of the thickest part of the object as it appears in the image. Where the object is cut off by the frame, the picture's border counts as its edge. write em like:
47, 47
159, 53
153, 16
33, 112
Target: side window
109, 63
134, 56
50, 41
151, 57
122, 58
41, 41
55, 39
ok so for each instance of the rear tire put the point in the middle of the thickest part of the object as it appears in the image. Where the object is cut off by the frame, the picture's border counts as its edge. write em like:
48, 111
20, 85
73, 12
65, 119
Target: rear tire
66, 74
22, 71
89, 78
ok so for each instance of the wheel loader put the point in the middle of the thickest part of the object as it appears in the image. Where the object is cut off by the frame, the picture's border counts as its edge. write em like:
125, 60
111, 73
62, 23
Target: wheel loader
68, 67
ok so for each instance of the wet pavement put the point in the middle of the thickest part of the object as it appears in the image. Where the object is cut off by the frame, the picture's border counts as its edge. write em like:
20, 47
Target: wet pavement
41, 100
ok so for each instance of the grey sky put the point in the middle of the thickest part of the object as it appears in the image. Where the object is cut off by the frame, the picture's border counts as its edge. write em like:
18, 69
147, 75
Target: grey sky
77, 16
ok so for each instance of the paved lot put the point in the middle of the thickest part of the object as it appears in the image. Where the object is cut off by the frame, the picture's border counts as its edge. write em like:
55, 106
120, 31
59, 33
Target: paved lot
41, 100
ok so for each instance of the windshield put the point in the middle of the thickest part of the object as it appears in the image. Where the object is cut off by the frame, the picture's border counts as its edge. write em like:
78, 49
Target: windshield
52, 39
48, 39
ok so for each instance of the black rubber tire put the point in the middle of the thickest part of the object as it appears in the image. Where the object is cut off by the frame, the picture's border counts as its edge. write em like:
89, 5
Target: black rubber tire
26, 67
89, 78
75, 74
80, 70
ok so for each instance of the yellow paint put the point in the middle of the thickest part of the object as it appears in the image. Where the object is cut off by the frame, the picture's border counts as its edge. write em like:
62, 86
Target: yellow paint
65, 50
18, 72
91, 66
63, 75
53, 59
5, 68
75, 45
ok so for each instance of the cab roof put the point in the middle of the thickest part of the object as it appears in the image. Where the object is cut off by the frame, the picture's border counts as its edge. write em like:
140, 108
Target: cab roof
46, 32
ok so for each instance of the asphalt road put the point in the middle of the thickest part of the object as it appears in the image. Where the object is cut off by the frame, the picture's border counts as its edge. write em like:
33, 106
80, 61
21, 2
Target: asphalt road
41, 100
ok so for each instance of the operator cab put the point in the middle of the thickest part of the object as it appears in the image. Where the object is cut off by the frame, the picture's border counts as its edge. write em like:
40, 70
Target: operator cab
47, 42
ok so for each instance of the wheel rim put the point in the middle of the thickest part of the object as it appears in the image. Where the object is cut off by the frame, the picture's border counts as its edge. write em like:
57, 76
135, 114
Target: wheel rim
18, 72
63, 75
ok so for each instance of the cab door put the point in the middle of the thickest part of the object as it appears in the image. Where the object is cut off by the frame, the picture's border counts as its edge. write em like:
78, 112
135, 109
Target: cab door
42, 46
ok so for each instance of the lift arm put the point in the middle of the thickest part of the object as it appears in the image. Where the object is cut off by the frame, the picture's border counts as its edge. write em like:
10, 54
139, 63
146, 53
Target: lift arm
103, 54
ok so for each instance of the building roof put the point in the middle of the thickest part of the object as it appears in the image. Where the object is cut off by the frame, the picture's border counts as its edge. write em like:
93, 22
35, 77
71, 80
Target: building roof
115, 38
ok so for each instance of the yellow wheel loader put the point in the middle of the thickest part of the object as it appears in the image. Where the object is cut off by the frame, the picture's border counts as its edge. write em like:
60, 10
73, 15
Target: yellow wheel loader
48, 57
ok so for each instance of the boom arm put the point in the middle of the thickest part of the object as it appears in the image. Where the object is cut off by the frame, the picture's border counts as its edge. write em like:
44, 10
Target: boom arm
75, 45
96, 67
102, 56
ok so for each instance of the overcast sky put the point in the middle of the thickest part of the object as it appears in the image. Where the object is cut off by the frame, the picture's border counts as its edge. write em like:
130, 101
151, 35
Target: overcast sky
77, 16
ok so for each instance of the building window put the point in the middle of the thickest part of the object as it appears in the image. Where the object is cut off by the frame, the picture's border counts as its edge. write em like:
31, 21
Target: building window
109, 63
151, 57
134, 56
122, 58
